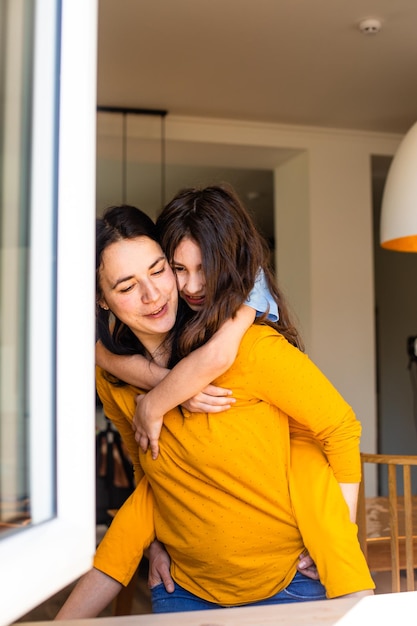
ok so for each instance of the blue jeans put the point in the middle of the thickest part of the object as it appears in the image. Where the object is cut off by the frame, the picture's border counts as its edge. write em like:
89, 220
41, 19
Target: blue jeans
300, 589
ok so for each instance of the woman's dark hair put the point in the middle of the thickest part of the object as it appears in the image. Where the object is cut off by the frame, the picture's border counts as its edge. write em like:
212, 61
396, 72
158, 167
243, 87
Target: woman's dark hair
117, 223
232, 253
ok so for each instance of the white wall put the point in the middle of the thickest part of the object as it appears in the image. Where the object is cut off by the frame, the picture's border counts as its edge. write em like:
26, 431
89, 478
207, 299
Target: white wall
324, 239
292, 239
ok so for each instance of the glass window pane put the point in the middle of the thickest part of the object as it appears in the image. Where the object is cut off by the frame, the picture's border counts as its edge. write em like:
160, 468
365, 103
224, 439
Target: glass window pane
16, 19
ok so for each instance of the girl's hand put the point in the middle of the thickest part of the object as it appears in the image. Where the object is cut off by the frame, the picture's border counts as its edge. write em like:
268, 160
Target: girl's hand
211, 400
147, 427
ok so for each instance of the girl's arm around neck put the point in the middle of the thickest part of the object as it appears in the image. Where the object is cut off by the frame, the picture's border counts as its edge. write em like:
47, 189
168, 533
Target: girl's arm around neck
135, 370
190, 376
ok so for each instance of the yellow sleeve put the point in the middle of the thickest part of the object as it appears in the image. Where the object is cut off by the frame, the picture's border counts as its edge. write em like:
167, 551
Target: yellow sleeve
119, 406
130, 533
287, 378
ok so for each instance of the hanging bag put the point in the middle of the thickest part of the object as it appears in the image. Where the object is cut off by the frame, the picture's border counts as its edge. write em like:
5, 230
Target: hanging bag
114, 473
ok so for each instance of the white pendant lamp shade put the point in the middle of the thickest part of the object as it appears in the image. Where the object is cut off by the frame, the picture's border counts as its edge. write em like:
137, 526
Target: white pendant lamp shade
399, 203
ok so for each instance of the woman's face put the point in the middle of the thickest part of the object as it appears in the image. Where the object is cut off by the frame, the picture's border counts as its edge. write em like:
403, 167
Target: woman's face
187, 265
139, 287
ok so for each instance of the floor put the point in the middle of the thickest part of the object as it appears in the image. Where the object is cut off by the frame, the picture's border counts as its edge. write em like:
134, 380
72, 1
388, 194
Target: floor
141, 601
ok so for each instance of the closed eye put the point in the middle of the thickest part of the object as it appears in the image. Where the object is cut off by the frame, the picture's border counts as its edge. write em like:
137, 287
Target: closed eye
159, 271
126, 289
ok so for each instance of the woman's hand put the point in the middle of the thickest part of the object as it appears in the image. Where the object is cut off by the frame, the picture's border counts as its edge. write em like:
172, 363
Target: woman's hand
159, 564
147, 424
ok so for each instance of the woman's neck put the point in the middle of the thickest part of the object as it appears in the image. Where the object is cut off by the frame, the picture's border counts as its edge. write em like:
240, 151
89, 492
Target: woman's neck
158, 348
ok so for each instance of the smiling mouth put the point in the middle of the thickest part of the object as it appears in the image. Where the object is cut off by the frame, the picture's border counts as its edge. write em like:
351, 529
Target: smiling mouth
158, 311
195, 299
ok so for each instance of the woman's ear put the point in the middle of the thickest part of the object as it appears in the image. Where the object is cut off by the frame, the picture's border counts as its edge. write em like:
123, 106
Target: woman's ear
102, 304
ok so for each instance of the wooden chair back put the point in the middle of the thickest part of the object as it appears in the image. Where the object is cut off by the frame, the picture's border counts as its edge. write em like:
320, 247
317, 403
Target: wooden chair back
392, 544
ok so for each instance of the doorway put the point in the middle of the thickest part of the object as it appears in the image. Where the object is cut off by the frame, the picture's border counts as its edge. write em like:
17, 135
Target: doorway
396, 320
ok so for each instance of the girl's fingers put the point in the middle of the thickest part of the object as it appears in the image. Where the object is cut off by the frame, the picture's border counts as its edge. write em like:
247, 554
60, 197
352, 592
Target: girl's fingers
212, 390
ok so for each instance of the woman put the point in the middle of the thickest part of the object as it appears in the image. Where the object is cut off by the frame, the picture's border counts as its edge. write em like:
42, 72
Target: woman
262, 411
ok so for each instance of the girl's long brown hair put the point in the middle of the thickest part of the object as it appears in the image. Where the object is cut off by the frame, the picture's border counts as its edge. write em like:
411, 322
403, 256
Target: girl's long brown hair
232, 253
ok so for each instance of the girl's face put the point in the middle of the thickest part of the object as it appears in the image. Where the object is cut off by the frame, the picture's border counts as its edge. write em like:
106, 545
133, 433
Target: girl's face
139, 287
187, 265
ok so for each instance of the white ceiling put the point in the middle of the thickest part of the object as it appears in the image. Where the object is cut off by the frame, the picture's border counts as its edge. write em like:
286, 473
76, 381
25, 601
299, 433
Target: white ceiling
287, 61
283, 61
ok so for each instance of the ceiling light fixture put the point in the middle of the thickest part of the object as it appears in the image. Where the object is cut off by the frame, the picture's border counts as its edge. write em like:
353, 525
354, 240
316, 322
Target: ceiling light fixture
399, 203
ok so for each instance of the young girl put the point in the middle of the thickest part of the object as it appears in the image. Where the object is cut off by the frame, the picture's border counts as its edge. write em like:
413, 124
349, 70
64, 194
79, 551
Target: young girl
256, 285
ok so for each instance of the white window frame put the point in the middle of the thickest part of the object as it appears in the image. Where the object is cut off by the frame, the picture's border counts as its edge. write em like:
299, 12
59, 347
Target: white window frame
42, 558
